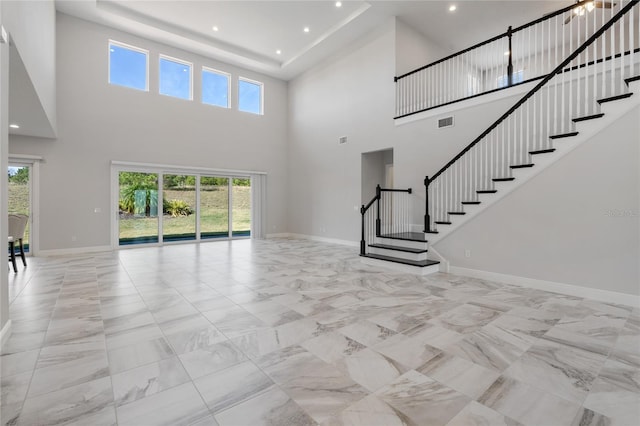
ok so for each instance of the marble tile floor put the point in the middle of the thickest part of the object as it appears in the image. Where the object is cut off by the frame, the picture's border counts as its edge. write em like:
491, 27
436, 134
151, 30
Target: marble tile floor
294, 332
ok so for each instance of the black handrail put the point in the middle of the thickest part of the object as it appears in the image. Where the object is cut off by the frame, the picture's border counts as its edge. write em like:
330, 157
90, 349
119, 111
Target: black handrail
558, 70
488, 92
408, 191
365, 208
544, 81
492, 39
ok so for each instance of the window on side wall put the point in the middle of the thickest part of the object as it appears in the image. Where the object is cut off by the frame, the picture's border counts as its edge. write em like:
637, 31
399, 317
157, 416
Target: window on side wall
250, 96
128, 66
175, 78
215, 87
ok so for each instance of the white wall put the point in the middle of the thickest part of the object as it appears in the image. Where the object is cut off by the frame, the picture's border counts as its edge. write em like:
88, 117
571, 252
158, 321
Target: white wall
98, 123
576, 223
414, 49
351, 96
32, 26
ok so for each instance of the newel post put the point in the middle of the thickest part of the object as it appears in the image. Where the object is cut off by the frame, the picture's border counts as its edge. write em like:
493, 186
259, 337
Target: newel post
510, 65
427, 219
378, 196
362, 241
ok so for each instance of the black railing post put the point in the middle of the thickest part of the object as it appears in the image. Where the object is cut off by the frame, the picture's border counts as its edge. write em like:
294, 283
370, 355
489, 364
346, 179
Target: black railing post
427, 219
510, 66
362, 240
378, 196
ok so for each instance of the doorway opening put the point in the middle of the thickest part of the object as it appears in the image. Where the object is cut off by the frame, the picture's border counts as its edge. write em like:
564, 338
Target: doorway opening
376, 169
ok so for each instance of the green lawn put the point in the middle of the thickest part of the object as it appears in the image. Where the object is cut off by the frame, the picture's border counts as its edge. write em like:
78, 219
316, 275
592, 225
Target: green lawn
214, 215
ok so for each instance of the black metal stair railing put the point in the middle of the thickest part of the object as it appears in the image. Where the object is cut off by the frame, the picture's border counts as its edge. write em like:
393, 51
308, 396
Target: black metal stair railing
520, 55
389, 211
594, 71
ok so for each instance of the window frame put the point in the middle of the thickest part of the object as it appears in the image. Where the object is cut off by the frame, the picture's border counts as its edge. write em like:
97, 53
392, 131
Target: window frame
258, 83
177, 61
135, 49
215, 71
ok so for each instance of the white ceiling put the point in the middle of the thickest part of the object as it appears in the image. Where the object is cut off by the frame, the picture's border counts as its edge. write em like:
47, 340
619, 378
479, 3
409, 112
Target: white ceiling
250, 32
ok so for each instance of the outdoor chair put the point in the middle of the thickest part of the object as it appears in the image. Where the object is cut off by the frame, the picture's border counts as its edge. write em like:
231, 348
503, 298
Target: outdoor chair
17, 226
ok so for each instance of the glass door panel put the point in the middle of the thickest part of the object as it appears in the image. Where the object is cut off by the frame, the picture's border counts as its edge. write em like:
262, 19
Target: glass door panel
179, 207
20, 196
241, 202
214, 207
138, 208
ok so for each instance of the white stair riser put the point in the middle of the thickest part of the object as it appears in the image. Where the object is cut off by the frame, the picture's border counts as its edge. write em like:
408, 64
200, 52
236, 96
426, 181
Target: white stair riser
427, 270
401, 243
397, 253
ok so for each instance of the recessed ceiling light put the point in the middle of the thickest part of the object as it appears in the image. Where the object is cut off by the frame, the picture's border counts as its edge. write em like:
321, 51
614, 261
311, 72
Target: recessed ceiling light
14, 126
278, 52
338, 4
214, 28
452, 8
306, 29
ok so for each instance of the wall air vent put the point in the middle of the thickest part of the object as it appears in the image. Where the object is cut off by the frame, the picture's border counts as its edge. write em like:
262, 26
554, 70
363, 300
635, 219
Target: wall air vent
343, 139
445, 122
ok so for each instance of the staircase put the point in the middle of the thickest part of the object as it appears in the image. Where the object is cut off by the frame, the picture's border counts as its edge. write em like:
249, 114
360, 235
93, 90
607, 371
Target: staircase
585, 93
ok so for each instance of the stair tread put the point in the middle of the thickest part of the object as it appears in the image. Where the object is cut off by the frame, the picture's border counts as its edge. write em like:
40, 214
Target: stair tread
396, 248
442, 222
563, 135
542, 151
430, 232
471, 202
522, 166
615, 98
588, 117
406, 236
487, 191
630, 79
421, 263
457, 213
504, 179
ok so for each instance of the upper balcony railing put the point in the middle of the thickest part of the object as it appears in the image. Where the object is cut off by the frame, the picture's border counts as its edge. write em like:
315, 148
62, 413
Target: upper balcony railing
519, 55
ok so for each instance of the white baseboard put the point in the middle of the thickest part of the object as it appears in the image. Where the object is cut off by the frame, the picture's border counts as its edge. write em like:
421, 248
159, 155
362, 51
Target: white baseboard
555, 287
325, 240
5, 333
78, 250
279, 235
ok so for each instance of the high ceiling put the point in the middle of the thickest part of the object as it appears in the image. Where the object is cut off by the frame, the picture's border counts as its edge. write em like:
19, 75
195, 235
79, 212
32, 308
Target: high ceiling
249, 33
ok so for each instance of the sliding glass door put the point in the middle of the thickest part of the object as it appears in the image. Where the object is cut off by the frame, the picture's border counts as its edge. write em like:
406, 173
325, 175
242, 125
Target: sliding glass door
214, 207
178, 207
138, 208
185, 207
241, 196
19, 186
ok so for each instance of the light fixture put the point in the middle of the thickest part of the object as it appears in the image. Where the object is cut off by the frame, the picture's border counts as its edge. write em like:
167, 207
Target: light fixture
507, 53
452, 8
214, 28
590, 6
338, 4
306, 29
14, 126
278, 52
